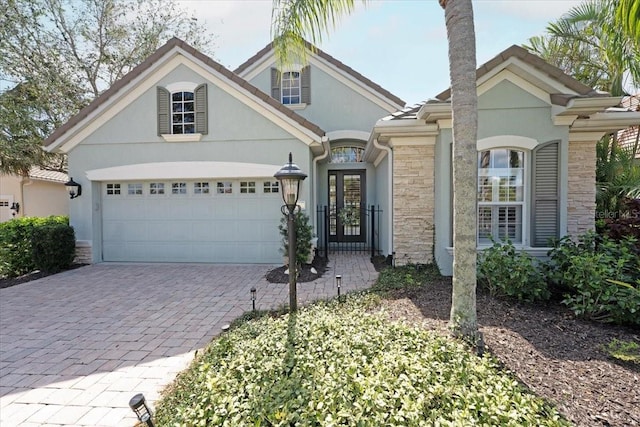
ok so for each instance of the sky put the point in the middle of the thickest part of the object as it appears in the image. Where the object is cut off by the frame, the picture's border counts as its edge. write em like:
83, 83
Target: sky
399, 44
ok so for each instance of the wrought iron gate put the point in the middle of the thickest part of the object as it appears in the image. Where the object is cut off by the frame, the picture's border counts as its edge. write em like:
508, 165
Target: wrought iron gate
348, 229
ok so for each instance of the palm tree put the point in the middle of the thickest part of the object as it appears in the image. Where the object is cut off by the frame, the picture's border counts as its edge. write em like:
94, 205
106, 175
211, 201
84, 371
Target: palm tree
297, 20
628, 15
589, 43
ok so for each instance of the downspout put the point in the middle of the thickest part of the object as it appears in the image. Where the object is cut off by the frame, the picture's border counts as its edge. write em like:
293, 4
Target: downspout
314, 208
390, 178
23, 183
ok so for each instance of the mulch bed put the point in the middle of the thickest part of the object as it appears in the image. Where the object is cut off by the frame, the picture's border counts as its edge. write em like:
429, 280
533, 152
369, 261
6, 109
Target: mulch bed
559, 357
12, 281
277, 275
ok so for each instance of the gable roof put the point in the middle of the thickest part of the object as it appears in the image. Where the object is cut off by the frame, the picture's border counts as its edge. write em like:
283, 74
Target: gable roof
268, 49
172, 44
541, 65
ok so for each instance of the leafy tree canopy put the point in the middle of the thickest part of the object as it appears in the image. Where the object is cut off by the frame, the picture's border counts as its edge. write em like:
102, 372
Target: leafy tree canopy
58, 55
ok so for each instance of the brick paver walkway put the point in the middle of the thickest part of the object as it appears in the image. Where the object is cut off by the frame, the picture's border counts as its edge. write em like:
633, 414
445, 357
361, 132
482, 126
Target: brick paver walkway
75, 347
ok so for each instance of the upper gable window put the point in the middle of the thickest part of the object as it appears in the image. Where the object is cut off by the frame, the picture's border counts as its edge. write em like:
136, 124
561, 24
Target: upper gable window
183, 115
182, 111
292, 87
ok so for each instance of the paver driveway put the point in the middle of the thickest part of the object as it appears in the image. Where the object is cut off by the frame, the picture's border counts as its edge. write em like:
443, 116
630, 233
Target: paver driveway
75, 347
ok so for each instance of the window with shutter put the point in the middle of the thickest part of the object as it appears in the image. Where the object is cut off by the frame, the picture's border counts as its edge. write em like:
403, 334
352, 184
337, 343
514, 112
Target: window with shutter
291, 87
545, 222
182, 112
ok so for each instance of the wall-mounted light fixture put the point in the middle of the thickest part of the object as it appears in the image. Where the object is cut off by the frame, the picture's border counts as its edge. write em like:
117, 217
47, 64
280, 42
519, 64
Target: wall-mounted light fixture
73, 188
139, 405
15, 207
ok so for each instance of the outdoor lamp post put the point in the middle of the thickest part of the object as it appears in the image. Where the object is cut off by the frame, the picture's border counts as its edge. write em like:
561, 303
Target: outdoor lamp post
139, 405
73, 188
253, 298
290, 177
338, 283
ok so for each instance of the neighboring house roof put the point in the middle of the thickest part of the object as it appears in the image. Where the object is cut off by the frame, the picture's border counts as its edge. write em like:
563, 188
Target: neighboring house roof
159, 54
540, 64
48, 175
268, 50
628, 137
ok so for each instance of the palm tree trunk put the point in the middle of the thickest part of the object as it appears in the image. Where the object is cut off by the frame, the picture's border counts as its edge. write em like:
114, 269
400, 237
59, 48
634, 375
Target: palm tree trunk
464, 101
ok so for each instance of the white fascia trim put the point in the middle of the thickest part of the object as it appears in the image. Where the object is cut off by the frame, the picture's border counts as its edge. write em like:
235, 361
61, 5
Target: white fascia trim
348, 134
148, 80
539, 79
183, 170
512, 141
434, 112
391, 128
80, 131
268, 61
403, 141
586, 136
607, 122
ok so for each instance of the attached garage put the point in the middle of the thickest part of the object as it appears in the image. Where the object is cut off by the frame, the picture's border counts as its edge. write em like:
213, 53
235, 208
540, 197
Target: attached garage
218, 220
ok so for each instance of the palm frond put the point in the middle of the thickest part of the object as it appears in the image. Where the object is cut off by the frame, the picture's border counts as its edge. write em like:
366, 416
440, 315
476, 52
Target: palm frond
294, 21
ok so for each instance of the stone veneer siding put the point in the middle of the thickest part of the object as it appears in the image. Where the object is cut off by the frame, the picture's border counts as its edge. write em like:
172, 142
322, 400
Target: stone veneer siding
83, 253
581, 204
413, 203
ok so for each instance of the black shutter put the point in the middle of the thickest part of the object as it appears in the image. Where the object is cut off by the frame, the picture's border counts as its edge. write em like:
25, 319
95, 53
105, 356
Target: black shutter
545, 221
164, 110
202, 120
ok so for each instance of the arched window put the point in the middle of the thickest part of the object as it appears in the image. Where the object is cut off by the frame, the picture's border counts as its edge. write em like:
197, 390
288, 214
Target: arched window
348, 154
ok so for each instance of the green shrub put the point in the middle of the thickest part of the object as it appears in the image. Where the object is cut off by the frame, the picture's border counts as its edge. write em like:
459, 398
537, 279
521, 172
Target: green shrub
54, 247
340, 364
16, 249
304, 233
507, 272
411, 276
625, 351
600, 278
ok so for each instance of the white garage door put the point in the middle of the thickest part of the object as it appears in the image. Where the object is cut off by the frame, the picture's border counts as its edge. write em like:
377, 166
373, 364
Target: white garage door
221, 221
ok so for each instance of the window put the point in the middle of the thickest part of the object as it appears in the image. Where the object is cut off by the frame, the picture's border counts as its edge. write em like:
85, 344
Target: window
201, 188
347, 154
501, 196
291, 88
134, 189
156, 188
224, 187
271, 187
113, 189
178, 188
247, 187
182, 110
4, 203
182, 113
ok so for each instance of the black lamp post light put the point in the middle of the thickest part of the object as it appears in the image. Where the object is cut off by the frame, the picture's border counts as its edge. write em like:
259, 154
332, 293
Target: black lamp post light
253, 298
73, 188
290, 176
15, 207
139, 405
338, 283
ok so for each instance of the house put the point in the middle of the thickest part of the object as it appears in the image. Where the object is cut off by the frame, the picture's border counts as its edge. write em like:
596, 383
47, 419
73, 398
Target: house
537, 134
176, 160
40, 193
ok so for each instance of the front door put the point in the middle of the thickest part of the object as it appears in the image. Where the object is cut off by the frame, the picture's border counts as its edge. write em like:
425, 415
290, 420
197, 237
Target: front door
347, 206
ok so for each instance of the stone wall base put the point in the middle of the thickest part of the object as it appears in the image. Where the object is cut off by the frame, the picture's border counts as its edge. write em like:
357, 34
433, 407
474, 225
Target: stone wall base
83, 252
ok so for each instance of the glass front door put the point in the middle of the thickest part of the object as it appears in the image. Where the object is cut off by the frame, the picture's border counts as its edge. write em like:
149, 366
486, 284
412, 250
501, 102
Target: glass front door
346, 206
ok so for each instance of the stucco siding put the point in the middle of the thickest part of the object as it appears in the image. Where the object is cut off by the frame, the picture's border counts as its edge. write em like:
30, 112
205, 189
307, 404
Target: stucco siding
334, 106
413, 204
